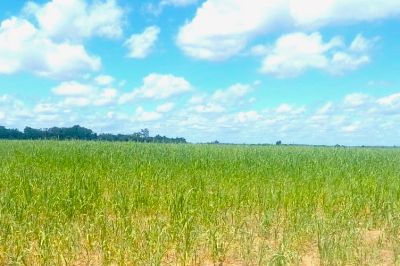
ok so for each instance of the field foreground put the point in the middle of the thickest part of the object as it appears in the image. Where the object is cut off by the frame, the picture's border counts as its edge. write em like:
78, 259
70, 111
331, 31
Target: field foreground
94, 203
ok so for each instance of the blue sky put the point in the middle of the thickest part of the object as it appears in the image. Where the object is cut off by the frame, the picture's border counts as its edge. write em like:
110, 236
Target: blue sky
254, 71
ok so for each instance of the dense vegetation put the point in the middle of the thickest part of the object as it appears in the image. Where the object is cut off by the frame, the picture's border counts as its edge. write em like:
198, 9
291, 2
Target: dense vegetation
102, 203
80, 133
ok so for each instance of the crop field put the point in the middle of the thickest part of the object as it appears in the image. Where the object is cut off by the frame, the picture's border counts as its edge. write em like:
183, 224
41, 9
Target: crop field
98, 203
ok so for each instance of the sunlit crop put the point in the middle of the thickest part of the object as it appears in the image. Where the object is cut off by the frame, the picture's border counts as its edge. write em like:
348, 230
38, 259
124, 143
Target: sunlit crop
95, 203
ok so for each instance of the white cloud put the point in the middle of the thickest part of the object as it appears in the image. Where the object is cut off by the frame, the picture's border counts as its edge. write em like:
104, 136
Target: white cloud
76, 102
221, 100
143, 116
75, 19
156, 9
45, 108
390, 100
140, 45
288, 109
250, 116
105, 97
374, 123
104, 80
351, 128
284, 108
361, 44
208, 108
158, 87
325, 109
165, 108
342, 61
77, 94
197, 99
46, 40
356, 99
260, 50
341, 11
178, 2
294, 53
24, 48
5, 98
223, 28
73, 88
47, 118
10, 101
231, 94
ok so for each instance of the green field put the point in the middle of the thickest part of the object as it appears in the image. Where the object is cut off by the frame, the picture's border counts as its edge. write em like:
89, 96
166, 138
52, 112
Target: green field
94, 203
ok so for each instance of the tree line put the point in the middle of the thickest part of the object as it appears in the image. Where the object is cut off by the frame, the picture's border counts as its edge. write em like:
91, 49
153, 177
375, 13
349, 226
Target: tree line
80, 133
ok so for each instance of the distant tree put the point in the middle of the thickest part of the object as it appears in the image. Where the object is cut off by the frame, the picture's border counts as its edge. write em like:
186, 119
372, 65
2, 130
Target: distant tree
10, 133
144, 133
31, 133
80, 133
279, 142
3, 132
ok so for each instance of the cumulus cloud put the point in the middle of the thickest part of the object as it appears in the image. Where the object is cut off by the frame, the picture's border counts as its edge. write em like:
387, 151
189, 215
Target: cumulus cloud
158, 87
105, 97
24, 48
232, 94
341, 11
73, 88
220, 100
46, 108
361, 44
104, 80
47, 39
287, 109
143, 116
391, 100
78, 94
157, 8
208, 108
178, 2
250, 116
260, 50
223, 28
5, 98
140, 45
76, 102
76, 19
294, 53
350, 128
356, 99
329, 123
325, 109
14, 111
165, 108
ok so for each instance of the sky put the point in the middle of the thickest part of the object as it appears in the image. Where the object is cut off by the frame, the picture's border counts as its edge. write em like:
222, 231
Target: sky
238, 71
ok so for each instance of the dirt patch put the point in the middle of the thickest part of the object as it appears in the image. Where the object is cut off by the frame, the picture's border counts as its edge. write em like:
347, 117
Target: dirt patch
386, 258
91, 259
372, 237
311, 257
